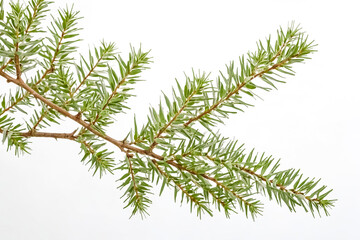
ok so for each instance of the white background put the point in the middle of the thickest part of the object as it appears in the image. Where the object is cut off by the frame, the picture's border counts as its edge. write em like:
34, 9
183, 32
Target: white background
311, 122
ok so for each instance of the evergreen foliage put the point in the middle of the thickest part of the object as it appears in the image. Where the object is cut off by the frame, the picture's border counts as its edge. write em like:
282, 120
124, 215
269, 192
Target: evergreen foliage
178, 147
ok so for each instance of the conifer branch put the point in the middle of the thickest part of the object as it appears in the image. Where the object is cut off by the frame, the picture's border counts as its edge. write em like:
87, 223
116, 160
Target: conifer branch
270, 182
111, 96
137, 186
162, 130
136, 64
86, 125
201, 205
34, 14
254, 209
105, 52
69, 19
41, 118
99, 159
206, 168
242, 84
276, 183
13, 104
131, 171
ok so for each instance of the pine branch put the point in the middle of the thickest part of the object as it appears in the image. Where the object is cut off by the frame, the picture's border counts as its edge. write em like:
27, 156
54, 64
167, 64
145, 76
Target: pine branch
39, 8
40, 119
13, 102
63, 80
206, 168
163, 129
84, 124
261, 64
66, 27
105, 52
193, 88
128, 75
186, 100
276, 183
137, 186
98, 158
193, 198
247, 205
110, 97
11, 134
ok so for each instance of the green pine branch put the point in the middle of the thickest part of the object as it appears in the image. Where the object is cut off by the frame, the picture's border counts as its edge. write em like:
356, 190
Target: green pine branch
136, 183
286, 186
269, 63
66, 27
178, 147
62, 84
118, 83
186, 100
188, 190
97, 156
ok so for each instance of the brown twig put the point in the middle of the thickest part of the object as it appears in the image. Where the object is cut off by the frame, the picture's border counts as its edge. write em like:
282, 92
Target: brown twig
68, 136
8, 77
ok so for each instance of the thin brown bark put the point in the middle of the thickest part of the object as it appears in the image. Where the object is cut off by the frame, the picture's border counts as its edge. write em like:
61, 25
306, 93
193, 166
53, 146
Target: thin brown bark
68, 136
